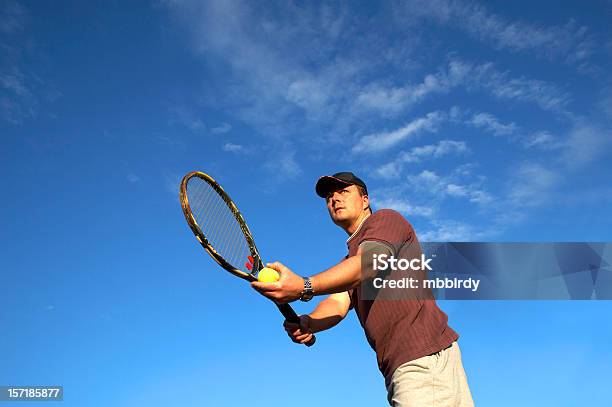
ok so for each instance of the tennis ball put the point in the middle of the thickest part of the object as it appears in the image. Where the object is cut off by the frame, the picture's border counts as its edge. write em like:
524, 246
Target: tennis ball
267, 275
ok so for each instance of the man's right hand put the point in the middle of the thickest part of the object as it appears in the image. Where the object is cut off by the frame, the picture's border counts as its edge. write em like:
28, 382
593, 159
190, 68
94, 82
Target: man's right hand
299, 333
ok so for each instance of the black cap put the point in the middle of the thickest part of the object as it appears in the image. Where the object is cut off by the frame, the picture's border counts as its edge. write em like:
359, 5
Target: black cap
329, 183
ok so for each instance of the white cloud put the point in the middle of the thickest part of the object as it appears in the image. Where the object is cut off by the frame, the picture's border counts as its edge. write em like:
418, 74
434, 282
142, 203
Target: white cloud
12, 17
171, 183
284, 165
404, 206
20, 101
456, 190
472, 77
586, 143
389, 170
15, 83
309, 94
490, 123
480, 197
24, 89
378, 142
222, 128
393, 169
503, 86
449, 231
442, 148
427, 191
187, 117
233, 148
395, 99
532, 184
12, 112
522, 89
280, 65
569, 42
433, 186
132, 178
542, 140
296, 75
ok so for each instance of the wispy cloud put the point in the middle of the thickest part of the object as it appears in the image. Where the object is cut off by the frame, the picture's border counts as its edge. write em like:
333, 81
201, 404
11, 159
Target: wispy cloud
378, 142
532, 185
233, 148
433, 185
312, 78
424, 194
285, 166
471, 76
502, 85
396, 99
221, 129
279, 85
404, 206
586, 142
393, 169
18, 103
273, 72
542, 140
22, 90
171, 182
15, 82
570, 42
187, 117
433, 224
132, 178
12, 17
491, 124
450, 231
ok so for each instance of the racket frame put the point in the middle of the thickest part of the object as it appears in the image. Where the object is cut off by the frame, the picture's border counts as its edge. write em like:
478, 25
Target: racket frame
285, 309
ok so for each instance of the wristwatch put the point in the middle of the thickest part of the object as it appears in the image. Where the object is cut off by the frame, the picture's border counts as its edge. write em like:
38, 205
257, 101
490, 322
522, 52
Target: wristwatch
308, 292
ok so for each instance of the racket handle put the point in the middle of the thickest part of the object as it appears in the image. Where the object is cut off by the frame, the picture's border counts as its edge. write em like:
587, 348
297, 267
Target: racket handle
291, 316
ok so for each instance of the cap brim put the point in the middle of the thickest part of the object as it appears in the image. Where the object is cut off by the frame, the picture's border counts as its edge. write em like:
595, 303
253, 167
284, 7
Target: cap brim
327, 183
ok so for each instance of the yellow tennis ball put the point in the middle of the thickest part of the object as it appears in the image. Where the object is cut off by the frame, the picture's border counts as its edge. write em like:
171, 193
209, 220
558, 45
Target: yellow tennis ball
267, 275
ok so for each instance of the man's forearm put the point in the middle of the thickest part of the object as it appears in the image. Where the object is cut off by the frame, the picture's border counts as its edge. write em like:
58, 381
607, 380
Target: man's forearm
329, 312
342, 277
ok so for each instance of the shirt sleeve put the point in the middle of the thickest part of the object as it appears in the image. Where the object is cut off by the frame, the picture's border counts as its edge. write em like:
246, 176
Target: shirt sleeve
369, 248
376, 247
388, 227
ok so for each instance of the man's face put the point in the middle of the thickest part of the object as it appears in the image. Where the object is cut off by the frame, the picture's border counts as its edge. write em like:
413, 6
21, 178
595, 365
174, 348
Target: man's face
346, 205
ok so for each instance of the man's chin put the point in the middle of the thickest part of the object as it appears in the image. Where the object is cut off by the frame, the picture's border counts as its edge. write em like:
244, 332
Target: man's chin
340, 220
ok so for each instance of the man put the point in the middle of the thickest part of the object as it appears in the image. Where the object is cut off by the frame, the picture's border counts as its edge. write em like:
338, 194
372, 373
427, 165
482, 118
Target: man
415, 348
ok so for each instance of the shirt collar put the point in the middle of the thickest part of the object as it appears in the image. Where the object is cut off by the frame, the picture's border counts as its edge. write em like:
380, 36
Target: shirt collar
358, 228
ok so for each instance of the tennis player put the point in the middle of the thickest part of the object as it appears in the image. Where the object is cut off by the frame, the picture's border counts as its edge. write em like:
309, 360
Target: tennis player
416, 350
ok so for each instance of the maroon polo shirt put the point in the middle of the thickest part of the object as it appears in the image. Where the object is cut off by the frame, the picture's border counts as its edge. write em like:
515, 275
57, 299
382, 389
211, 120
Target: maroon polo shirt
404, 329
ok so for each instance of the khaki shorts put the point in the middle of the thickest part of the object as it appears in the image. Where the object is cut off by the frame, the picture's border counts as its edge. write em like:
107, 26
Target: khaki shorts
436, 380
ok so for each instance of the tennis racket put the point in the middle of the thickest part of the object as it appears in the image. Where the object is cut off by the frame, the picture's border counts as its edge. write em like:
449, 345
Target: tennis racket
220, 228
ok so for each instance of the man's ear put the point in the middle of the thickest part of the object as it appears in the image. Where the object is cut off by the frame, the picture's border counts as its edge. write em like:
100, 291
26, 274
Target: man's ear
365, 202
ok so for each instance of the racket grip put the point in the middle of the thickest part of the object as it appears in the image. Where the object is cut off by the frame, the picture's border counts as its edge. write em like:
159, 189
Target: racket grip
291, 316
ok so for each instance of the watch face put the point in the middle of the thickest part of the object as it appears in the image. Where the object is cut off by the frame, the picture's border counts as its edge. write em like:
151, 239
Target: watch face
307, 294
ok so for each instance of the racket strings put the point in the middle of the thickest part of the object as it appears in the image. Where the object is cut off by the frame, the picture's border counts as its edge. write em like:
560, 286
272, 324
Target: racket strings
215, 219
218, 223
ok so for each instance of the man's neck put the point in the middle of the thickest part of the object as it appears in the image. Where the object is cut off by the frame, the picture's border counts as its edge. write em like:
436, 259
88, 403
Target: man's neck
355, 225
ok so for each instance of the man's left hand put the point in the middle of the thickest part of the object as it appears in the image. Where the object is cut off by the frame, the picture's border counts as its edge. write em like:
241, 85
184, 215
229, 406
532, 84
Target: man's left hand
288, 288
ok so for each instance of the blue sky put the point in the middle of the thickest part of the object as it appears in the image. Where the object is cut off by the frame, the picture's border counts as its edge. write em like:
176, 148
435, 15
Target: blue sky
478, 121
